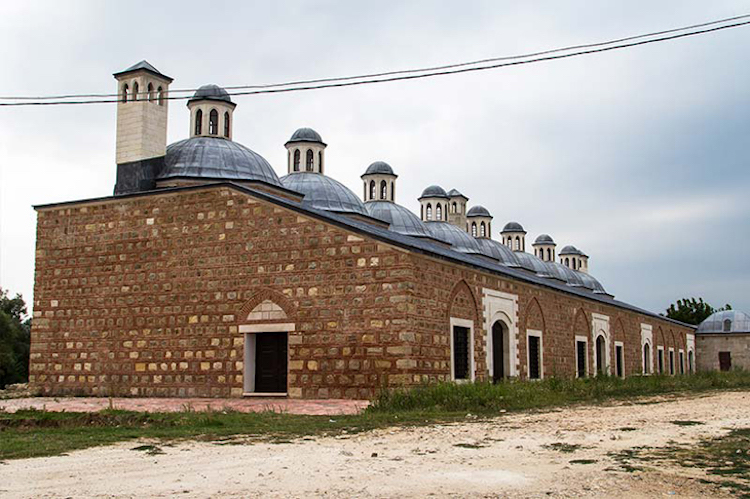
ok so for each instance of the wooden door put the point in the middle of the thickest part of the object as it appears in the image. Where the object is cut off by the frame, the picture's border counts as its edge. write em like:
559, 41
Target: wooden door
270, 362
725, 361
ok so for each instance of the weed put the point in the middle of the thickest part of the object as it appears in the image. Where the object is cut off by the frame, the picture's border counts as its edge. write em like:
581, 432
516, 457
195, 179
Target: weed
686, 422
563, 447
582, 461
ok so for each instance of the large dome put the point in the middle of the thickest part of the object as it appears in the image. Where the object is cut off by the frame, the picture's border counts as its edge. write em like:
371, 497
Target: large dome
498, 251
215, 158
211, 92
324, 193
457, 238
401, 219
727, 321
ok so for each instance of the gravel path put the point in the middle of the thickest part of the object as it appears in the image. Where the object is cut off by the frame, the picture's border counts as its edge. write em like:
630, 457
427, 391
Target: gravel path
508, 456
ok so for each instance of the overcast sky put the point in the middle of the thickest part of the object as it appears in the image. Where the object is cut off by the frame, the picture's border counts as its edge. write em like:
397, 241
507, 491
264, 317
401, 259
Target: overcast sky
638, 157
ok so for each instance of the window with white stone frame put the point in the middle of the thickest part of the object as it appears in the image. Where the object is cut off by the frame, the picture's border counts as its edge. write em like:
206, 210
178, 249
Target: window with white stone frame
647, 349
534, 354
462, 348
582, 357
619, 359
671, 362
681, 361
659, 360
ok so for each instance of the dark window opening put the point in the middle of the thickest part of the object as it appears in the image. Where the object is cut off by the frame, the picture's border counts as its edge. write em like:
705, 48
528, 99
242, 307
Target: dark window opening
499, 337
727, 325
226, 125
393, 191
383, 189
682, 362
271, 362
125, 93
372, 189
534, 358
135, 91
320, 161
581, 358
601, 353
150, 92
199, 122
309, 158
660, 361
725, 361
460, 352
671, 362
213, 122
619, 368
297, 156
691, 367
646, 359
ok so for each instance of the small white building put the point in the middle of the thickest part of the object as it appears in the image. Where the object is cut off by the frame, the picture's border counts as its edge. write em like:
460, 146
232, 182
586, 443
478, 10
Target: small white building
723, 341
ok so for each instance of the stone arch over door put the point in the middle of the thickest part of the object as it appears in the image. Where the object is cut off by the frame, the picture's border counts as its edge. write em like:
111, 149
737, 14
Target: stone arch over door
581, 333
619, 337
533, 321
249, 310
463, 308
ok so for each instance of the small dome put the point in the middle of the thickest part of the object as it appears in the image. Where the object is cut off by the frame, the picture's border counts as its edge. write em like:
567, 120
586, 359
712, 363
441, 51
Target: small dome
478, 211
306, 135
457, 238
324, 193
532, 263
401, 220
211, 92
570, 250
544, 239
498, 251
434, 191
379, 167
513, 227
454, 193
727, 321
215, 158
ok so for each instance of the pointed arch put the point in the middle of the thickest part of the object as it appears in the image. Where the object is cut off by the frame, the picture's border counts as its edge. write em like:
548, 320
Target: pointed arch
125, 90
226, 124
462, 302
297, 156
267, 300
135, 91
309, 160
533, 317
213, 122
198, 122
383, 189
160, 96
150, 92
372, 190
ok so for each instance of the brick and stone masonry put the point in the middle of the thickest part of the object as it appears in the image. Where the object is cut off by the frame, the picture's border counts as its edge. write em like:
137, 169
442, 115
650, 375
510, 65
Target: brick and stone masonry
146, 296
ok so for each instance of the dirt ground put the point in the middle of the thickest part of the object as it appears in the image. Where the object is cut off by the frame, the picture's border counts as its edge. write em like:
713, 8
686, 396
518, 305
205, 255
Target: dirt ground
509, 456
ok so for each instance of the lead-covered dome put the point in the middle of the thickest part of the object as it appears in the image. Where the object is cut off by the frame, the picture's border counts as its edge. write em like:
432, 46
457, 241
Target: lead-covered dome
725, 322
498, 251
324, 193
379, 168
570, 250
401, 219
478, 211
211, 92
544, 239
434, 191
513, 227
457, 238
215, 158
306, 135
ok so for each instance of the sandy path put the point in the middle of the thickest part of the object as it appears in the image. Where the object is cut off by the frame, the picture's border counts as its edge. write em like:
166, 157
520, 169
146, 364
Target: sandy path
502, 457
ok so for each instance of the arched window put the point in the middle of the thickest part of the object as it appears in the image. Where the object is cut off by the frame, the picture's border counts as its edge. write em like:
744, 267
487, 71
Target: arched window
690, 362
518, 243
483, 230
372, 190
393, 191
429, 211
198, 122
320, 161
125, 92
309, 159
727, 325
383, 189
453, 207
213, 122
226, 124
160, 93
567, 262
474, 229
438, 212
150, 92
296, 160
601, 352
646, 359
574, 263
549, 255
135, 90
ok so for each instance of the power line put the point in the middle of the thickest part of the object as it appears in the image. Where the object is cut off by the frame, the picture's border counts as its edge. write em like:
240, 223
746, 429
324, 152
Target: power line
427, 72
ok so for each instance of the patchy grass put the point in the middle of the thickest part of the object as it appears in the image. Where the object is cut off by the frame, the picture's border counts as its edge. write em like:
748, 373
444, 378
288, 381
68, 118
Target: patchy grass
688, 422
31, 433
582, 461
563, 447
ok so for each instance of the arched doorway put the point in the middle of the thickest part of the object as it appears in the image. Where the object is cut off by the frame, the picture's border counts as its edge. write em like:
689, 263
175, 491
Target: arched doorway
500, 351
601, 352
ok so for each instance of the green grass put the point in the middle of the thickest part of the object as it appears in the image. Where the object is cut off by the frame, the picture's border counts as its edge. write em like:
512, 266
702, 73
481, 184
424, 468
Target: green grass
31, 433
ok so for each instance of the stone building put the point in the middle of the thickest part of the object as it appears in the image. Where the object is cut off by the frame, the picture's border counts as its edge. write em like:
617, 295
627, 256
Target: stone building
207, 274
722, 342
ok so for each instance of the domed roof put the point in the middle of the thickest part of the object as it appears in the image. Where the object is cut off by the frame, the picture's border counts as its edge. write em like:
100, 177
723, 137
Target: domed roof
434, 191
211, 92
306, 135
454, 193
513, 227
544, 239
727, 321
215, 158
324, 193
570, 250
457, 238
401, 219
379, 167
532, 263
478, 211
589, 282
498, 251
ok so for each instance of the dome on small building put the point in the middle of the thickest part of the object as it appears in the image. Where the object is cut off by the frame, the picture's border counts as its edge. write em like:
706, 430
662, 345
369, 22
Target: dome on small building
457, 238
211, 92
401, 219
379, 168
305, 135
570, 250
513, 227
324, 193
434, 191
544, 239
725, 322
478, 211
217, 159
498, 251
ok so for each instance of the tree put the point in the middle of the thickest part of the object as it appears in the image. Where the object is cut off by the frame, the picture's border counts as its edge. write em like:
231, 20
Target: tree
15, 340
692, 311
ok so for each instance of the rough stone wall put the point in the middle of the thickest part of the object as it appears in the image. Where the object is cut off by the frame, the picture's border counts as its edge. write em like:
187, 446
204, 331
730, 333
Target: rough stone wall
708, 347
145, 296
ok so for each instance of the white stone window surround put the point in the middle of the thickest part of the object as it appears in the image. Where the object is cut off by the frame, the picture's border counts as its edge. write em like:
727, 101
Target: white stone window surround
250, 332
680, 369
538, 334
690, 347
647, 338
671, 362
585, 340
660, 354
622, 359
600, 327
503, 307
468, 324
